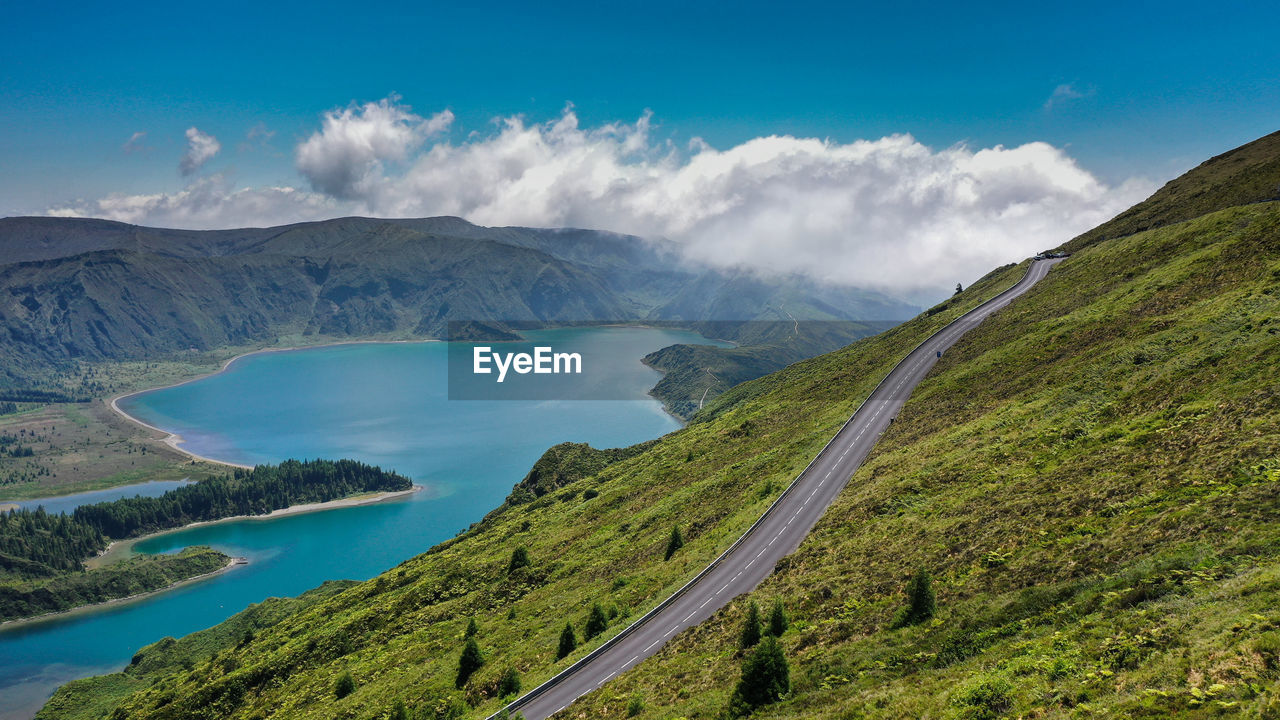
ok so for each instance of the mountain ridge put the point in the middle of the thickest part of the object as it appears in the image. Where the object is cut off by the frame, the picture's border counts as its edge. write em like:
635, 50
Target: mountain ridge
92, 290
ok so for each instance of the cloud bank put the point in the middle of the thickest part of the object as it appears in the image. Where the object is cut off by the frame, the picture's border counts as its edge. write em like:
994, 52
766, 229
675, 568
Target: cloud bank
890, 213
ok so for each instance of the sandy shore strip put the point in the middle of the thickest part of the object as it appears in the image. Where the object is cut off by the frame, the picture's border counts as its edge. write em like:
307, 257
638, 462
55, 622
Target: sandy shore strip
174, 440
119, 549
232, 563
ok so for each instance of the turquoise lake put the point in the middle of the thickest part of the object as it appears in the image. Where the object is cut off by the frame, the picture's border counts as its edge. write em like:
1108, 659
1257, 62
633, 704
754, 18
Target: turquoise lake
385, 404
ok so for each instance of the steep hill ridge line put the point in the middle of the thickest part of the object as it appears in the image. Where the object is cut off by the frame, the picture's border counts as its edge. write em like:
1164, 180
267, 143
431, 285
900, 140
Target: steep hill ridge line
1245, 175
643, 637
75, 291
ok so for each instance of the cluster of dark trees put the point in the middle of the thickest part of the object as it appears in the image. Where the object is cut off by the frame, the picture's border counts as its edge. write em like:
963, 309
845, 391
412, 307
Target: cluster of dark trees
40, 396
8, 407
34, 543
472, 660
246, 492
766, 676
68, 590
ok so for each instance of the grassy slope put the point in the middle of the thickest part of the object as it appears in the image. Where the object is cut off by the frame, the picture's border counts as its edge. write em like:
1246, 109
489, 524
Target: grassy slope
1094, 479
399, 635
95, 697
1092, 475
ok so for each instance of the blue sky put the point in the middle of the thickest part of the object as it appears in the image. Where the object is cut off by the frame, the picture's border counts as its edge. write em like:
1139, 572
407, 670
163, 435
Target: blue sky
1164, 83
1126, 90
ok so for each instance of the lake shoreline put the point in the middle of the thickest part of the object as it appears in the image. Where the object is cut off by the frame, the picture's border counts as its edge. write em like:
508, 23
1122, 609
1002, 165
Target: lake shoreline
174, 440
232, 563
124, 546
118, 547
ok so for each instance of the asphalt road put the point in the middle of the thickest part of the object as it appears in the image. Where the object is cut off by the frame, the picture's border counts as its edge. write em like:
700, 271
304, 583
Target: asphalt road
778, 532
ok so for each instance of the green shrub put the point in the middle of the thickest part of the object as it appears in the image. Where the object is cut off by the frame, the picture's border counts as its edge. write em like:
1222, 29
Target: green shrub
778, 620
674, 543
472, 629
751, 630
597, 623
519, 559
344, 685
509, 684
921, 601
1268, 648
398, 711
985, 699
635, 705
568, 641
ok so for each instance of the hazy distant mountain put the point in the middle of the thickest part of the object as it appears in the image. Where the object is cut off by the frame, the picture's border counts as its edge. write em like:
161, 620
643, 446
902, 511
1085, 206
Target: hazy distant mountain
97, 290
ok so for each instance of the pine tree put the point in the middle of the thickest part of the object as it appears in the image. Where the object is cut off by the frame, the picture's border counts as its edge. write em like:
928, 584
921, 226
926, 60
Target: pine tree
921, 601
766, 678
568, 641
751, 628
468, 662
778, 620
519, 559
596, 623
675, 543
472, 628
399, 711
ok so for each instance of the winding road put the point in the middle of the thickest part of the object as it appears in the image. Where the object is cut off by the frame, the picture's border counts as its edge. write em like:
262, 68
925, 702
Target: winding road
776, 534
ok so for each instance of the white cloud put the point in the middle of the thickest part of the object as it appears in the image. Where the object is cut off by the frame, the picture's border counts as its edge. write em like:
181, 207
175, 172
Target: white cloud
135, 143
201, 147
1064, 94
345, 158
888, 213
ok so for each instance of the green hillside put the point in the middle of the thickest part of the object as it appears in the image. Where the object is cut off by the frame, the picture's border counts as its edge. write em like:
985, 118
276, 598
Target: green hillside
98, 696
1248, 174
1091, 477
